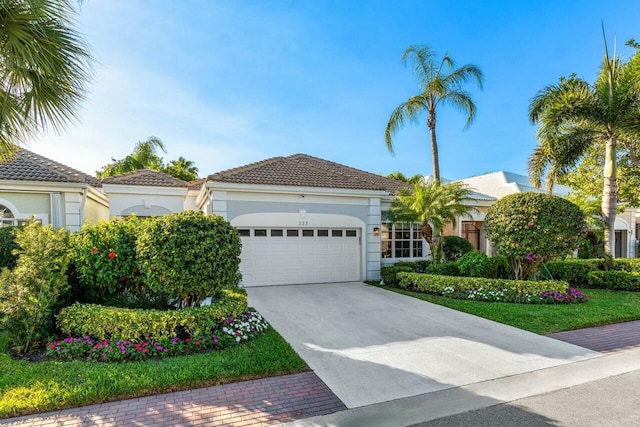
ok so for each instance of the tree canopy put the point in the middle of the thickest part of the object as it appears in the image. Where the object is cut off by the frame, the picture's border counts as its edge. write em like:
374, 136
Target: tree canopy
45, 66
145, 156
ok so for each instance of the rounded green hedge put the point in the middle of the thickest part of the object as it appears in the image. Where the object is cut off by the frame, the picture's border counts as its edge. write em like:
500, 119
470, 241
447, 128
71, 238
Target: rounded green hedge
455, 247
136, 325
189, 256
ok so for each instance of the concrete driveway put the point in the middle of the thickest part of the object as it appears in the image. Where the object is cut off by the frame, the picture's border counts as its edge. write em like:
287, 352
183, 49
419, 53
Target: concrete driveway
370, 345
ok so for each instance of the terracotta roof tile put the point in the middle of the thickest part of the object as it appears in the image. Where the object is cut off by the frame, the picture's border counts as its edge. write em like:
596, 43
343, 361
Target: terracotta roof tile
301, 170
197, 184
145, 177
29, 166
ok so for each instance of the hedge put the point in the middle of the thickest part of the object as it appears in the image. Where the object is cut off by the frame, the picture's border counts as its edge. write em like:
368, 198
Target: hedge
389, 274
7, 247
434, 284
614, 280
112, 323
573, 271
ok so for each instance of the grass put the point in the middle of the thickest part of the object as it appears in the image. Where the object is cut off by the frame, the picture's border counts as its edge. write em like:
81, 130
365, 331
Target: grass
604, 307
27, 388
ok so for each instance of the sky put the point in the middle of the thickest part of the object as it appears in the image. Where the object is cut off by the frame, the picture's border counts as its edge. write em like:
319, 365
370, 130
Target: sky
226, 83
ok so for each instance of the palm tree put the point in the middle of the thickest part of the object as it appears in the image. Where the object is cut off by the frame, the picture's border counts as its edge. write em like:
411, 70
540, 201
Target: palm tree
399, 176
144, 156
182, 168
45, 66
581, 114
433, 205
439, 84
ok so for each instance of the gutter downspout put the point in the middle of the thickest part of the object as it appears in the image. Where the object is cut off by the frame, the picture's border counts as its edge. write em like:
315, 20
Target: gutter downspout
210, 198
85, 192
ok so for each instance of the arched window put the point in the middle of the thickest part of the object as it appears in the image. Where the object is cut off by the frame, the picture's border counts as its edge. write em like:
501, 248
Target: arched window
6, 217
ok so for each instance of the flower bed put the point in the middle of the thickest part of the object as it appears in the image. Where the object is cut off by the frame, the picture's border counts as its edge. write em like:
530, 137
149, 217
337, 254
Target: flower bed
235, 330
493, 290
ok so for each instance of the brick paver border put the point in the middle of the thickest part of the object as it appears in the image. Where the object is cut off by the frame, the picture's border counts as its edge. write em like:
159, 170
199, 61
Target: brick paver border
260, 402
605, 339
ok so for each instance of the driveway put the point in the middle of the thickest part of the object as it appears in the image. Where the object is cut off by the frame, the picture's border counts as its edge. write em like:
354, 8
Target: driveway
370, 345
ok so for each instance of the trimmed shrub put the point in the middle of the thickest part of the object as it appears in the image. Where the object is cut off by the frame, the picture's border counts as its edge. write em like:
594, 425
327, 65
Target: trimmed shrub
189, 255
532, 228
436, 284
475, 264
447, 268
573, 271
389, 274
104, 258
111, 323
455, 247
8, 245
29, 294
614, 280
627, 264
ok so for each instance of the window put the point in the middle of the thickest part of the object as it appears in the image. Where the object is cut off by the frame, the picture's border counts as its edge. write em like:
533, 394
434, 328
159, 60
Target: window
307, 233
6, 217
243, 232
351, 233
323, 233
401, 240
336, 233
276, 233
259, 233
292, 233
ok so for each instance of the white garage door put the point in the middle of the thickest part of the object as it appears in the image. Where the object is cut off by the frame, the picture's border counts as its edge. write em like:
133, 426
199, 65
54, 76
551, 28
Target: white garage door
281, 256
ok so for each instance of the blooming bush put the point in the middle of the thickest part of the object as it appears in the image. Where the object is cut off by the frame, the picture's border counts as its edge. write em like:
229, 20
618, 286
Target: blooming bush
532, 228
505, 295
236, 330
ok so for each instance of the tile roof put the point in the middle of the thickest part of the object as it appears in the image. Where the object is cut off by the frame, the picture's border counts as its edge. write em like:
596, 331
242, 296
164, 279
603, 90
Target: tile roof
145, 177
301, 170
197, 184
29, 166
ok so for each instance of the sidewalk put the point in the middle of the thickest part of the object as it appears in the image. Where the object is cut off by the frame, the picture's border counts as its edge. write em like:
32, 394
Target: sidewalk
605, 339
260, 402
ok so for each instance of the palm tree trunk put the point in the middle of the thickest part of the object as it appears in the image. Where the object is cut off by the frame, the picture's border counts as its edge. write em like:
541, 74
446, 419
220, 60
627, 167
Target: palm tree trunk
431, 122
610, 197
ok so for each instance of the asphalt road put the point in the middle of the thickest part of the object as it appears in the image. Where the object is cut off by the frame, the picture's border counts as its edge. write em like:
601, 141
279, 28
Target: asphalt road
613, 401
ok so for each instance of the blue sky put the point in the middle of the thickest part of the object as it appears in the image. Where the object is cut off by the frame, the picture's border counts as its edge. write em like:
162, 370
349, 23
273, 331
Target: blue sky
229, 83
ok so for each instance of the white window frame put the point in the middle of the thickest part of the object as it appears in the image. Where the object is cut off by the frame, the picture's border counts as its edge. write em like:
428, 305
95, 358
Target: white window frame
390, 229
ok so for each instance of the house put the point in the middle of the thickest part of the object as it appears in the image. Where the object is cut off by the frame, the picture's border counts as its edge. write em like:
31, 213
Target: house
34, 186
146, 193
501, 183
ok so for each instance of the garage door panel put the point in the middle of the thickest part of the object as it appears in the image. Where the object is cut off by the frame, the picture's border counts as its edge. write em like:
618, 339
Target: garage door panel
282, 260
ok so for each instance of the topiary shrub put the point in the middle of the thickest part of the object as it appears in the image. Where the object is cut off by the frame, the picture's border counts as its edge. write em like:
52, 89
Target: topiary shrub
189, 256
112, 323
454, 247
29, 293
389, 274
532, 228
475, 264
8, 244
104, 258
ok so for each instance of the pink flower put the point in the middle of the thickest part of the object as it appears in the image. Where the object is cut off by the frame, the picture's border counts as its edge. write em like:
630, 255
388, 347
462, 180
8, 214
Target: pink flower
530, 224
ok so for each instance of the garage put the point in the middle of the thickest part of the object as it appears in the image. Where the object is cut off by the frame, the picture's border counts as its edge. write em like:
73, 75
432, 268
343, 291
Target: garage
287, 256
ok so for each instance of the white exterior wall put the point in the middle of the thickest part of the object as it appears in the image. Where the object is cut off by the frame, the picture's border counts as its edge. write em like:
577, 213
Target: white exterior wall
144, 201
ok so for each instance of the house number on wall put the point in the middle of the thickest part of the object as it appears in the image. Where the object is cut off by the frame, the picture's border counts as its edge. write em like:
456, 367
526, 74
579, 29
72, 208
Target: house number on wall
303, 223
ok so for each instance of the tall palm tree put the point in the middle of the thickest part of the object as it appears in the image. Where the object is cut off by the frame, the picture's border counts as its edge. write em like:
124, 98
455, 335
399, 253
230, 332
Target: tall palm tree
440, 84
433, 205
589, 114
45, 66
144, 156
182, 168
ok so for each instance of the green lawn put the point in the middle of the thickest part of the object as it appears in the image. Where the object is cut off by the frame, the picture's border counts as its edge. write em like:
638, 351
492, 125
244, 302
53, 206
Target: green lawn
36, 387
603, 307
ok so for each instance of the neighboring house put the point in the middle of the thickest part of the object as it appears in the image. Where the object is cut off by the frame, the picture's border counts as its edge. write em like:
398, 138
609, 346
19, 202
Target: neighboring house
500, 184
34, 186
146, 193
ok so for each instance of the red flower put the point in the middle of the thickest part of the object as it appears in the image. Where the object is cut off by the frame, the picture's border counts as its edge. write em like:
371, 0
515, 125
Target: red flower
144, 350
112, 255
187, 340
196, 342
94, 250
